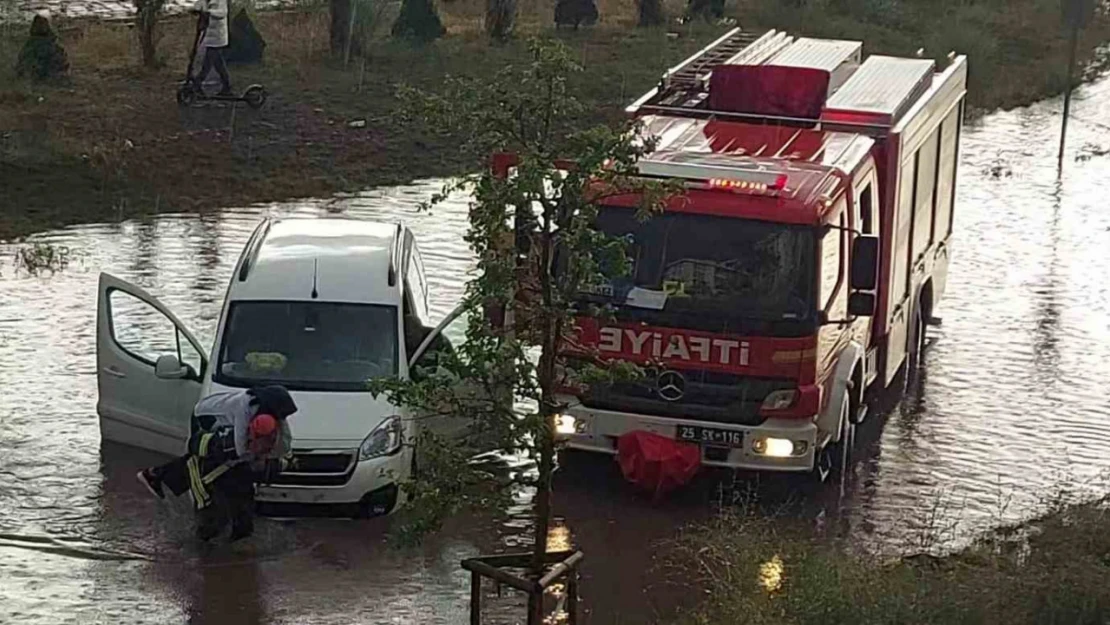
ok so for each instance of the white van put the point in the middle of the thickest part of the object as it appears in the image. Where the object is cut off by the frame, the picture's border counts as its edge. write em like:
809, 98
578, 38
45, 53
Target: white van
320, 306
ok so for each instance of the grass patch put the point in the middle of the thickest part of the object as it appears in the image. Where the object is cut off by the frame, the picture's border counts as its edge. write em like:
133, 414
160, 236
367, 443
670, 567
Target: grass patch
40, 258
1018, 49
760, 571
109, 142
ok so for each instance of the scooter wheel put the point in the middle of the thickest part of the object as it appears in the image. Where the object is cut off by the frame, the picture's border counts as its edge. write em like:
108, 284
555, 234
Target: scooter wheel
255, 96
186, 95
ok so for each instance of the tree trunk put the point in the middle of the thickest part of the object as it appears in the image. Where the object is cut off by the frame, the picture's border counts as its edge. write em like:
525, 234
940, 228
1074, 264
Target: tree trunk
340, 26
546, 443
147, 20
550, 337
500, 18
543, 490
651, 13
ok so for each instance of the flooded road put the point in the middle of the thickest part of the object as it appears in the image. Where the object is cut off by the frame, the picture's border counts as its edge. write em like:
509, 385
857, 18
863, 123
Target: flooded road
1011, 410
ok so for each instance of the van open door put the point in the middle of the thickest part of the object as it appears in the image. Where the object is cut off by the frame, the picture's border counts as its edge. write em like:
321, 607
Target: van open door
149, 369
449, 332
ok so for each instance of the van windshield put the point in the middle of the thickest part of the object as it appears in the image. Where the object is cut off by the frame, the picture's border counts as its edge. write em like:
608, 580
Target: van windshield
718, 271
308, 346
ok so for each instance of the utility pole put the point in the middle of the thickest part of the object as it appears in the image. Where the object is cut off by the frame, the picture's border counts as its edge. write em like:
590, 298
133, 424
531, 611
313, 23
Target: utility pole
1076, 15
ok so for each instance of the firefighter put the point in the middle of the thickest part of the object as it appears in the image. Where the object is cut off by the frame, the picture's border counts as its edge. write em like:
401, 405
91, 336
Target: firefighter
236, 438
221, 485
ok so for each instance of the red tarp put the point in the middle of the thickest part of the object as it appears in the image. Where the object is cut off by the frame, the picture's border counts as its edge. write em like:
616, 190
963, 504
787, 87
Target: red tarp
769, 90
657, 464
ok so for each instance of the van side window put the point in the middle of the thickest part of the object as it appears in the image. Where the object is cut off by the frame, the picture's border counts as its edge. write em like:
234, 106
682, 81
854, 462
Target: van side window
415, 331
418, 282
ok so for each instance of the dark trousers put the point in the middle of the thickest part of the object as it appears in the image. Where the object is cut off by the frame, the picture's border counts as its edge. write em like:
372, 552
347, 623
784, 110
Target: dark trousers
174, 475
232, 498
232, 502
214, 58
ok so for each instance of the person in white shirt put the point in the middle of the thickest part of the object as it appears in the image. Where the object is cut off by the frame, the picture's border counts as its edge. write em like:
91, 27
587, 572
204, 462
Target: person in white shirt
214, 16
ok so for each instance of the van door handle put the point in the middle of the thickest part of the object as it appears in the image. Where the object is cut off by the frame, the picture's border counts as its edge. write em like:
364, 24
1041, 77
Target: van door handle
115, 373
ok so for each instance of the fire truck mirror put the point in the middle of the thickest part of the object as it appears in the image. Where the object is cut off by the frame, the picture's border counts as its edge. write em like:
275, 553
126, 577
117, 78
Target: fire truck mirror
861, 304
865, 263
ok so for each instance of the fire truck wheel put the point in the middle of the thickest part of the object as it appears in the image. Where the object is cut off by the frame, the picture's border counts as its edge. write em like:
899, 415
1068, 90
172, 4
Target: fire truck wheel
835, 460
917, 346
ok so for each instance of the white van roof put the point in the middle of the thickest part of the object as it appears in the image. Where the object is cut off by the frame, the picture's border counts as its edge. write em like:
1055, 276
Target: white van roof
327, 260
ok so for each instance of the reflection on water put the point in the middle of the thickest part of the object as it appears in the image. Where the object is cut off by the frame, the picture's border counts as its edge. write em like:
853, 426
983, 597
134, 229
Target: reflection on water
1010, 408
770, 574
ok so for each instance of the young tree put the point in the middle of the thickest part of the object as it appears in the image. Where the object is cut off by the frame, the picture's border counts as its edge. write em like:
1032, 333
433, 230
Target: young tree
650, 13
339, 32
148, 12
533, 233
500, 19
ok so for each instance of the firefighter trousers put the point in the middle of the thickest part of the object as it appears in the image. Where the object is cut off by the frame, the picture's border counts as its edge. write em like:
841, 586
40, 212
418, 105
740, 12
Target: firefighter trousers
231, 501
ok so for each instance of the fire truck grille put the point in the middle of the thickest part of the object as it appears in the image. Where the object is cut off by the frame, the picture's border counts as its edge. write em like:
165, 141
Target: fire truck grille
705, 396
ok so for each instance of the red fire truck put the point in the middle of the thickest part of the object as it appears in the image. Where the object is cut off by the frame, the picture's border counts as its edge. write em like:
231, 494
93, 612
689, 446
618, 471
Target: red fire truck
800, 267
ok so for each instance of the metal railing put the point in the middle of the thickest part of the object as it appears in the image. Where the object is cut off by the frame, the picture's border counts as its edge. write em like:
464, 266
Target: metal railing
563, 565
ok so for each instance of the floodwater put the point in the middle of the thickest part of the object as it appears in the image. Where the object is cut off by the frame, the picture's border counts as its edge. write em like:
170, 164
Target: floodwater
1011, 411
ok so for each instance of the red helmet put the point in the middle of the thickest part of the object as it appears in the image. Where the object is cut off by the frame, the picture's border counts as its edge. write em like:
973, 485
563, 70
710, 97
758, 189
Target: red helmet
263, 425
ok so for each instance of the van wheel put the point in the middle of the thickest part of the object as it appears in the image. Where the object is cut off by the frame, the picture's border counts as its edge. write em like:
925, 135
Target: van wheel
834, 462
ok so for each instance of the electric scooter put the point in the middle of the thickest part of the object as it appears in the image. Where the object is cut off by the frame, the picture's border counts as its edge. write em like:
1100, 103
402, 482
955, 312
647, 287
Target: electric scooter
190, 90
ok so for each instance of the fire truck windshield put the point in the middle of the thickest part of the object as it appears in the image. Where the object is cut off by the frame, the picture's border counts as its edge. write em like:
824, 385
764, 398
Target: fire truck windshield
712, 272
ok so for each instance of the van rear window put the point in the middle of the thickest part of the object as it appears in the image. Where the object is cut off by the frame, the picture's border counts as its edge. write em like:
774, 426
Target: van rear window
308, 346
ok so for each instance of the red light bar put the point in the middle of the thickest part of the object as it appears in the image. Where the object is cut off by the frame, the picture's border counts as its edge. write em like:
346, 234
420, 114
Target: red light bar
749, 186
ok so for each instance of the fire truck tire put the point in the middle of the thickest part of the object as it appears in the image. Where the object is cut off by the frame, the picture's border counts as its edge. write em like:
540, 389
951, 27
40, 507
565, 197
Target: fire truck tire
915, 353
834, 462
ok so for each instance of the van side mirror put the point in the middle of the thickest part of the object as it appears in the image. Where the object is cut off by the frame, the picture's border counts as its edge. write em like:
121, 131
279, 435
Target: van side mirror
167, 367
861, 304
865, 263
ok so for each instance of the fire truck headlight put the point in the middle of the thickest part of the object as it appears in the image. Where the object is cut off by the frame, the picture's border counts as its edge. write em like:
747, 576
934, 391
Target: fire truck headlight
779, 447
779, 400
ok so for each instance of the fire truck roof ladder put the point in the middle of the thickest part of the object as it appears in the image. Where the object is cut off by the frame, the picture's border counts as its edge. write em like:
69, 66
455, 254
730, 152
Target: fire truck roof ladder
866, 98
688, 76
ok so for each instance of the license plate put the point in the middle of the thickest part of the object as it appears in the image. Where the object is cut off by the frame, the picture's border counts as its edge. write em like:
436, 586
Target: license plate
710, 436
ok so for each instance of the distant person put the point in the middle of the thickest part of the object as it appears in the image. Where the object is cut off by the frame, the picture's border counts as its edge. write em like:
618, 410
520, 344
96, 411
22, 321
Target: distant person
214, 17
235, 438
246, 44
42, 56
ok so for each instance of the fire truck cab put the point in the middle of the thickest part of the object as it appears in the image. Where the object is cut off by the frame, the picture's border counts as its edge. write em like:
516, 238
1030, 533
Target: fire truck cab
800, 266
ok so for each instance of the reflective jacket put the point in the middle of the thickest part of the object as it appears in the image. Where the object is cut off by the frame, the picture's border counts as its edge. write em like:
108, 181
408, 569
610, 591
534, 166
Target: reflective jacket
211, 454
235, 409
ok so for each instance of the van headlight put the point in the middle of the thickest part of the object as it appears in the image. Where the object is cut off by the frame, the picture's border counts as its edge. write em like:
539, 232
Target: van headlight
383, 441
